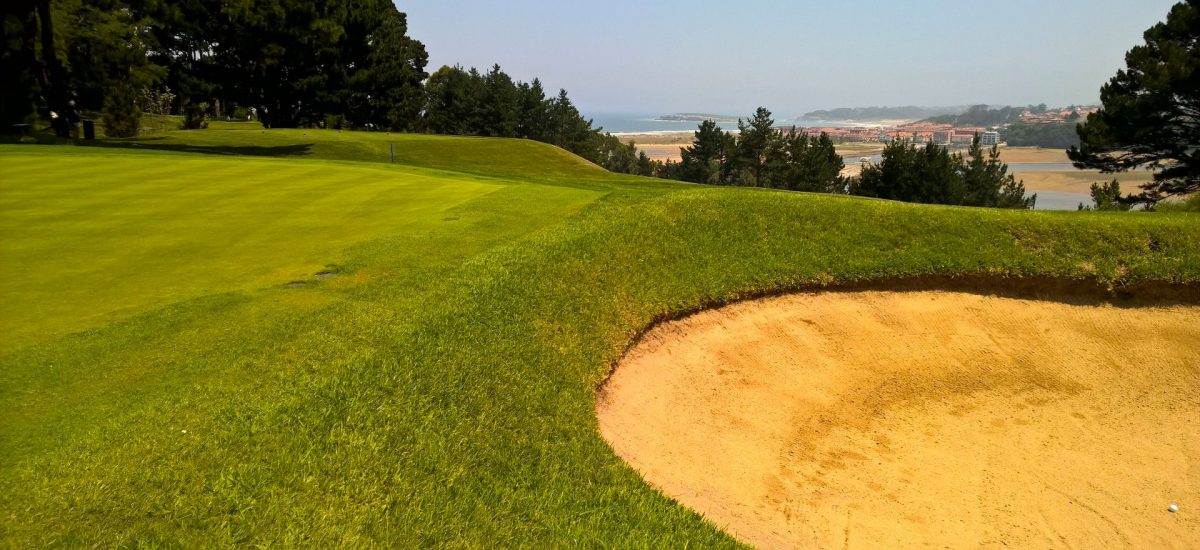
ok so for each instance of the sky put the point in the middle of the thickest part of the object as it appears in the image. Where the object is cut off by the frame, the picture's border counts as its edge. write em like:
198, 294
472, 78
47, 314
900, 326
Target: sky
728, 57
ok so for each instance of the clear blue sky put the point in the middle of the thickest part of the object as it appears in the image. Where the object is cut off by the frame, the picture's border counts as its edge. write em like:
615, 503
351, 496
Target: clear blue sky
728, 57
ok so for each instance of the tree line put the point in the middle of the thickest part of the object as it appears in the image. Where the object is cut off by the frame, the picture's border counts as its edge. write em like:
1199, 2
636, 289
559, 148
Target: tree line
295, 62
933, 175
761, 155
292, 63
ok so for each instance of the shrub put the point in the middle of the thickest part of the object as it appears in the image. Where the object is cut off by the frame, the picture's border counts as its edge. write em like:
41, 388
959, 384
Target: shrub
335, 122
1189, 204
157, 102
195, 116
121, 113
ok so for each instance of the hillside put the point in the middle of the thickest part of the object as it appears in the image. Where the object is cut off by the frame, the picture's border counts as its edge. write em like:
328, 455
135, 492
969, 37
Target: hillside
177, 373
880, 113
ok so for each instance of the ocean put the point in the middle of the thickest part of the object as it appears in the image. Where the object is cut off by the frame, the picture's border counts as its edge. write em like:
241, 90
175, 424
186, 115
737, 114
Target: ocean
642, 123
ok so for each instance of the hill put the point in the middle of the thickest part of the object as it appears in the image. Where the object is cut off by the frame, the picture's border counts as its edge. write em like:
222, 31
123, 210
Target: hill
248, 337
910, 112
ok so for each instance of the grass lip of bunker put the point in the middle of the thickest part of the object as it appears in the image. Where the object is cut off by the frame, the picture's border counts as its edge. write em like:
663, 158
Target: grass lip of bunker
823, 417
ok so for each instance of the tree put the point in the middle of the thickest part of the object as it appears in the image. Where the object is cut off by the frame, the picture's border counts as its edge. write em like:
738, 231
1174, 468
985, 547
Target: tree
754, 140
1150, 113
933, 175
569, 130
906, 173
818, 166
387, 93
1107, 197
618, 157
69, 55
122, 116
451, 96
986, 181
20, 70
1051, 136
705, 159
534, 116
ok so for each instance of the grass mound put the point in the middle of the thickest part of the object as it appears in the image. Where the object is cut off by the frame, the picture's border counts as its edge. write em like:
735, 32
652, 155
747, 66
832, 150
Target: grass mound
166, 386
477, 155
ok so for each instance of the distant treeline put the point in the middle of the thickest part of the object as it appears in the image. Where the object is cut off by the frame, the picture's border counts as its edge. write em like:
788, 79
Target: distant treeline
1052, 136
983, 115
880, 113
760, 155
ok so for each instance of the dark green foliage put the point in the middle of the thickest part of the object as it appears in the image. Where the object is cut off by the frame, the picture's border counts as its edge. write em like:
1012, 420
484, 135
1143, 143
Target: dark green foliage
982, 115
104, 47
500, 103
195, 116
1051, 136
1107, 197
757, 140
387, 93
986, 181
1150, 110
622, 158
569, 130
808, 164
21, 93
760, 156
709, 157
933, 175
451, 98
296, 61
533, 121
121, 112
1190, 204
70, 50
469, 103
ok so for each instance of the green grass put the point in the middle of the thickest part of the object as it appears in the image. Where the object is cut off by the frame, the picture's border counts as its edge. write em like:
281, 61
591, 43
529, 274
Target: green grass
163, 385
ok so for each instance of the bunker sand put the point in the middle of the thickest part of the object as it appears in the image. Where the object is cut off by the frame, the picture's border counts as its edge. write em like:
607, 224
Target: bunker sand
876, 420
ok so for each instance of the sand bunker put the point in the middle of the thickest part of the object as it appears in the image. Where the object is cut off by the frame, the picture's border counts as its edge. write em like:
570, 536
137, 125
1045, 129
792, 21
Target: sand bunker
888, 420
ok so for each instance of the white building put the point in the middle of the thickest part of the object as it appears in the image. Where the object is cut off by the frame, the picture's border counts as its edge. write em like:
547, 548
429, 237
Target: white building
989, 138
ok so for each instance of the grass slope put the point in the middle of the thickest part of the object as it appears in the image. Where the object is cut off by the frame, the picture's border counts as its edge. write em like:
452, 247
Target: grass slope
167, 386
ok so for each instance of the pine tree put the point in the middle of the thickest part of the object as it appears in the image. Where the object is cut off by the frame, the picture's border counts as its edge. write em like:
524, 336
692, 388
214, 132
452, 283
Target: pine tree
702, 161
534, 118
1150, 110
754, 141
121, 114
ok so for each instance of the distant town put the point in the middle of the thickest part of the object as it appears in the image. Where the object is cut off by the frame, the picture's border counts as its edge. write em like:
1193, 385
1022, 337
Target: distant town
949, 133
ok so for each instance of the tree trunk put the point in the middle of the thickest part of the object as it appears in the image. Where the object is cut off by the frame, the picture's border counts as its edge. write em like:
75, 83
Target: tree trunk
53, 76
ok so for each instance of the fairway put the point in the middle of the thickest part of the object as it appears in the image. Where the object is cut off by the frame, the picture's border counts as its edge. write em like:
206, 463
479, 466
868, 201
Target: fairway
173, 373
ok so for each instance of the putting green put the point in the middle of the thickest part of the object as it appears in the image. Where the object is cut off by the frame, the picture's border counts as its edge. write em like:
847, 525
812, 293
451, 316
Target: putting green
92, 238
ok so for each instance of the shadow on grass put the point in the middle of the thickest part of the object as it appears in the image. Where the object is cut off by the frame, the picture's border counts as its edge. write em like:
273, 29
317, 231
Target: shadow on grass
293, 150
